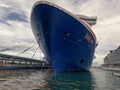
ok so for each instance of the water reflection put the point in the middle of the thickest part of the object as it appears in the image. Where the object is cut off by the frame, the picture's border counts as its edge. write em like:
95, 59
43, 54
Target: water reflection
70, 81
22, 79
97, 79
105, 80
14, 73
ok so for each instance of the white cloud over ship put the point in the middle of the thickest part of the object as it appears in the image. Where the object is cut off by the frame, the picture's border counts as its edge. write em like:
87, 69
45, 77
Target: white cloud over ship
16, 34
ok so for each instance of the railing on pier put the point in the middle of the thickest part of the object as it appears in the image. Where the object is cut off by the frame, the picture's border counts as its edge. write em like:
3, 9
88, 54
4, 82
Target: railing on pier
23, 62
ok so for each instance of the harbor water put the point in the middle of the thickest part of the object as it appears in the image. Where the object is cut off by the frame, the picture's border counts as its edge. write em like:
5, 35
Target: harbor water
96, 79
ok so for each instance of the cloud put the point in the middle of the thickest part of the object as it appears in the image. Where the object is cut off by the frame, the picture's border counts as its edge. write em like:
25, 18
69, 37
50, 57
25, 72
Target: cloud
15, 30
16, 16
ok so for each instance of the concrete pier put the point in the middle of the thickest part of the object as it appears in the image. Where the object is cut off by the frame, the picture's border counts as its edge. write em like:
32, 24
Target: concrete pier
22, 63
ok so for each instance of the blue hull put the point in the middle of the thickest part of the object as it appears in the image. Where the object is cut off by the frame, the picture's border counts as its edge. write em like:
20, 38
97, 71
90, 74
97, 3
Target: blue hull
67, 42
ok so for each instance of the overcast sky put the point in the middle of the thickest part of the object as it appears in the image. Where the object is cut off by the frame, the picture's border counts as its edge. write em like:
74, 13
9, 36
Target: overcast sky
16, 34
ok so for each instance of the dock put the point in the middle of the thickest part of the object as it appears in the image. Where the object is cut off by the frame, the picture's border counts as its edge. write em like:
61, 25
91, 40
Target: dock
111, 69
116, 74
11, 62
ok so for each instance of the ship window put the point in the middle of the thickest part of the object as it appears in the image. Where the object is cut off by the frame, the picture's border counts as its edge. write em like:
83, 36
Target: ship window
81, 61
66, 33
79, 40
46, 31
37, 34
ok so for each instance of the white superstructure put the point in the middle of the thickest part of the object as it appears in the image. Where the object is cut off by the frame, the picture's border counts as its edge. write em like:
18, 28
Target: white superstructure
113, 58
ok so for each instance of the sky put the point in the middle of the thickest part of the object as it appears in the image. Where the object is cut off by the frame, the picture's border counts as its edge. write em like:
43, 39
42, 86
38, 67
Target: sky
16, 34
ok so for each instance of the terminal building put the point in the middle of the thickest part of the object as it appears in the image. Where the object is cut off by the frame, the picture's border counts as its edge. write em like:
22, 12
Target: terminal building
112, 59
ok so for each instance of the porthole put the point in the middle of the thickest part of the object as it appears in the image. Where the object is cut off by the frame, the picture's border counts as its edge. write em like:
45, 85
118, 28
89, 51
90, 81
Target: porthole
46, 31
81, 61
79, 40
66, 33
39, 39
37, 34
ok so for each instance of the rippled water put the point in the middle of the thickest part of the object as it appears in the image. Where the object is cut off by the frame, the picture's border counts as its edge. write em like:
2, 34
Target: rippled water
97, 79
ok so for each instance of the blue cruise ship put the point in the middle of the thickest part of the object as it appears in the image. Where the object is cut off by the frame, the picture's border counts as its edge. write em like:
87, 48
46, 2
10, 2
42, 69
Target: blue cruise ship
66, 40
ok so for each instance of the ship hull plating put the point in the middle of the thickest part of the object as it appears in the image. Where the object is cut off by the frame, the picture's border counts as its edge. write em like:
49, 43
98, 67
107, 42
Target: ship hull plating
67, 43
